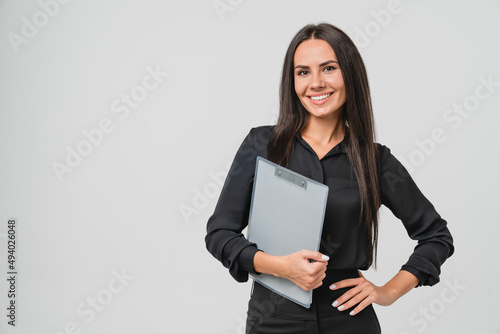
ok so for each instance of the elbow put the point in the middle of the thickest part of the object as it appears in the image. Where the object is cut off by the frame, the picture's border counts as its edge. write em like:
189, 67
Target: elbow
211, 245
451, 248
447, 240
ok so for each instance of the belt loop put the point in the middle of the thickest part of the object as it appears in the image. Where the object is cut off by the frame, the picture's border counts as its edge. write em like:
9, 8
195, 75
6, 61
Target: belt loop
251, 290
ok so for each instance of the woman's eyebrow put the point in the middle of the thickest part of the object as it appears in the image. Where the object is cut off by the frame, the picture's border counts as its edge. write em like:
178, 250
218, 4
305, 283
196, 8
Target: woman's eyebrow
322, 64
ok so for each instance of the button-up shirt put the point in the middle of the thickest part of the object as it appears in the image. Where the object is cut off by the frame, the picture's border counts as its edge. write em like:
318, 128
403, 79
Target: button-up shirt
343, 238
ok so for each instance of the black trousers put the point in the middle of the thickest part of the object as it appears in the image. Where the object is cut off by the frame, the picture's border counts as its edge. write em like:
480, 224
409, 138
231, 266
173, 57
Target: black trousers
270, 313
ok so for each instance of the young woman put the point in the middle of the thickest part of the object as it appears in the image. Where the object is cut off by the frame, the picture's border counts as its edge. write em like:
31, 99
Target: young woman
325, 131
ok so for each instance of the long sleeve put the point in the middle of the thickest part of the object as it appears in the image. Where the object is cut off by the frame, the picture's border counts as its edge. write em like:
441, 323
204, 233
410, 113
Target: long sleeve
401, 195
224, 239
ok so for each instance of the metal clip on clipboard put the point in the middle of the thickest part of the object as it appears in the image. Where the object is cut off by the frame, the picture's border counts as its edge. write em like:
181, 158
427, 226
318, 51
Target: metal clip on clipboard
291, 177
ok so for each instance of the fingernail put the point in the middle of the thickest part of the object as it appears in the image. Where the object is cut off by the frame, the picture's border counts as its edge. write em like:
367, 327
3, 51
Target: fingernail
332, 286
340, 308
335, 303
351, 313
325, 257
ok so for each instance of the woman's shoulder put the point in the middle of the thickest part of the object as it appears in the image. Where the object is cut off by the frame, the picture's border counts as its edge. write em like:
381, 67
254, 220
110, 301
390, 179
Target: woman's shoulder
388, 162
257, 140
384, 154
262, 130
383, 150
260, 135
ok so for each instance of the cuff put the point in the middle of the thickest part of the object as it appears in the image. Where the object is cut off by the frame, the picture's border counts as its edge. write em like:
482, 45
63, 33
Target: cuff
245, 259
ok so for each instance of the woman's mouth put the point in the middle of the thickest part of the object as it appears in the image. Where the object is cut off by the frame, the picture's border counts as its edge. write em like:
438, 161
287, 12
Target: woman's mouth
320, 99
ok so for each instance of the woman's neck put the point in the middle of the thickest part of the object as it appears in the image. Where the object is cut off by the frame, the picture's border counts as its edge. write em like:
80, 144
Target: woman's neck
325, 130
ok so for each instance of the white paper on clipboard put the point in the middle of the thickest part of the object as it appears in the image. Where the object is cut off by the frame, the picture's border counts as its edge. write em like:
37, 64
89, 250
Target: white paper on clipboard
286, 215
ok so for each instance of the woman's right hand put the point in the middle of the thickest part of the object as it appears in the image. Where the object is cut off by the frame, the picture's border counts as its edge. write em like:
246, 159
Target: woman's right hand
296, 267
304, 273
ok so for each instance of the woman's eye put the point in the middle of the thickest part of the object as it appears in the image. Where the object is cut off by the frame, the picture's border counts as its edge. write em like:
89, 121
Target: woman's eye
329, 68
302, 72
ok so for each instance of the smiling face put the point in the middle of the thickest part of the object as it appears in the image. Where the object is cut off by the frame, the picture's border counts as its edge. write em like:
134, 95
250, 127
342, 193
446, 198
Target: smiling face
318, 79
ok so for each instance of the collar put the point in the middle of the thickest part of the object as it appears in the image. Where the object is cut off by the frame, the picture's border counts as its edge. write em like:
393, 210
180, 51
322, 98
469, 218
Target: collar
337, 149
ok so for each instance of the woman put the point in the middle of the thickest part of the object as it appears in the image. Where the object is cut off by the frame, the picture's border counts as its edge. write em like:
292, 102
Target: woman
325, 131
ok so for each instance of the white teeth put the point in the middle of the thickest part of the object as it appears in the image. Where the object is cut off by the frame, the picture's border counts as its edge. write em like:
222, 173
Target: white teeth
321, 97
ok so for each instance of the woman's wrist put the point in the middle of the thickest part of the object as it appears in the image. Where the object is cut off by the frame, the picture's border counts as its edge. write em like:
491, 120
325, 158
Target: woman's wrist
399, 285
268, 264
391, 294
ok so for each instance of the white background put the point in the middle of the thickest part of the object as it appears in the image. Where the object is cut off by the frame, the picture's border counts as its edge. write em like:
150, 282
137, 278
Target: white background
120, 209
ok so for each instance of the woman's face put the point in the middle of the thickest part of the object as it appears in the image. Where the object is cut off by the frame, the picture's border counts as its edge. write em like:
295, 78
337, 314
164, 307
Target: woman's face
318, 79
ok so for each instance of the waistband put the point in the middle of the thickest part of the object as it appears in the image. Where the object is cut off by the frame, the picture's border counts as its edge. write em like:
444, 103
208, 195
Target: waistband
274, 305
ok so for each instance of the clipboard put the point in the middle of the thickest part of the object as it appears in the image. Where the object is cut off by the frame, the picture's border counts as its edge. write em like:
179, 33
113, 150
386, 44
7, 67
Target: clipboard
287, 211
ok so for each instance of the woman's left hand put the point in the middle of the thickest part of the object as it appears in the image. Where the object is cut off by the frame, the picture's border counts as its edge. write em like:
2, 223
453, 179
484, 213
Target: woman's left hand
363, 293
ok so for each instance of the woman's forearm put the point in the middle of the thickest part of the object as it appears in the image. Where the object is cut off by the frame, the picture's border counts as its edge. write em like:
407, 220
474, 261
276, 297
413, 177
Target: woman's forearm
399, 285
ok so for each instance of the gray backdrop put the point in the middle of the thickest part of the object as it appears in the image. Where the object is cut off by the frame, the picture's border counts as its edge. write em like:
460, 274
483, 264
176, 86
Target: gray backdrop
119, 119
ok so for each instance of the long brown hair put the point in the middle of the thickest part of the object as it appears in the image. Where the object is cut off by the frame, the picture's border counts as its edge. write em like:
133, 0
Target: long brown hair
359, 135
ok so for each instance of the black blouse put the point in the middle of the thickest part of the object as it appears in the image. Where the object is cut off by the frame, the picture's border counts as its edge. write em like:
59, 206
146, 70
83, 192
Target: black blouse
343, 239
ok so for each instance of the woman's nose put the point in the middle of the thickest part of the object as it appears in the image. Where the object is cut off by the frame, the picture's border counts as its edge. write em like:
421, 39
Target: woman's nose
317, 81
